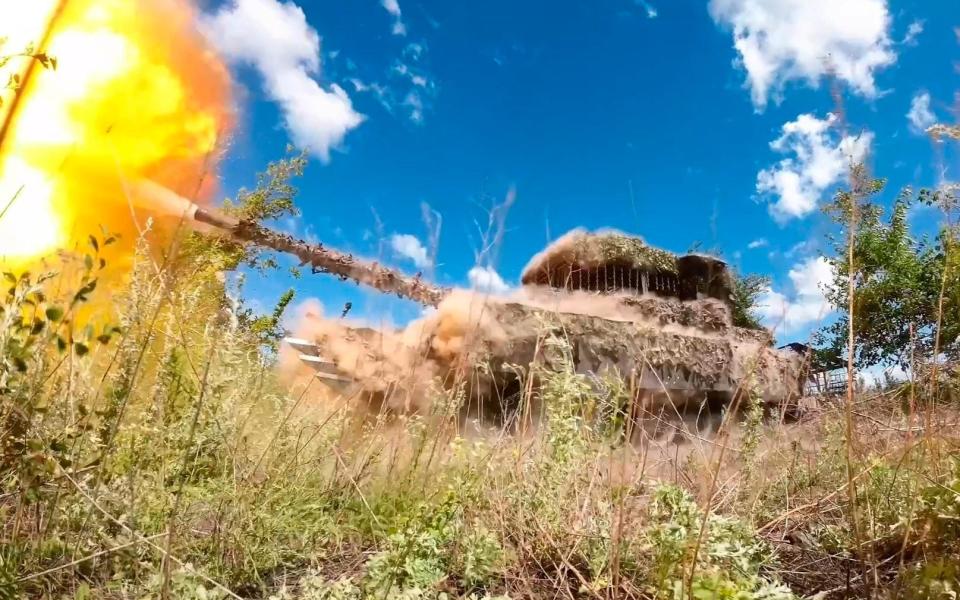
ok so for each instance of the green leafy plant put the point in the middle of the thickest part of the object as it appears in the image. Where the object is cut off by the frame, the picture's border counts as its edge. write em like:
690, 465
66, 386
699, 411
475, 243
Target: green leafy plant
746, 293
729, 563
435, 544
898, 280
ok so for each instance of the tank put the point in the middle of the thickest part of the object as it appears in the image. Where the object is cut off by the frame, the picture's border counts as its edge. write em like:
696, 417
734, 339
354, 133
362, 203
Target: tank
605, 304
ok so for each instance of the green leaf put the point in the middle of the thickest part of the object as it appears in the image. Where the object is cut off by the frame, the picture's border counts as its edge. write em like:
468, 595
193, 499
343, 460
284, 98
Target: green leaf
54, 313
81, 349
104, 339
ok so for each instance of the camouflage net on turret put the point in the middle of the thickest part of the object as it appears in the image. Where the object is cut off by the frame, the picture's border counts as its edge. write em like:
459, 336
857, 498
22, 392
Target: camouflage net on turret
609, 261
582, 249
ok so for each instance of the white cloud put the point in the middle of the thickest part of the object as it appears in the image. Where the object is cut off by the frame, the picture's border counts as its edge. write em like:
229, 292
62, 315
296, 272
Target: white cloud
274, 38
649, 9
406, 72
393, 7
920, 116
758, 243
409, 247
807, 305
486, 279
783, 40
414, 51
806, 246
913, 31
414, 104
359, 85
819, 161
421, 87
409, 89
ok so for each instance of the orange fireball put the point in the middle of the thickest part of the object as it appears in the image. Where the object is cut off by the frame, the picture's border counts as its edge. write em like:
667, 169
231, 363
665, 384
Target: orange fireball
136, 94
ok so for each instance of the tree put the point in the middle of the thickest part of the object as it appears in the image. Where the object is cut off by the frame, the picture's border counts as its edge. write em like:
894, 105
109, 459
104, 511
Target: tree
204, 256
745, 295
271, 199
745, 291
897, 280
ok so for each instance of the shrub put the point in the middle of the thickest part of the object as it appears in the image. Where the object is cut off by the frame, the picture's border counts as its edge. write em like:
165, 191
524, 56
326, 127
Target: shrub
724, 562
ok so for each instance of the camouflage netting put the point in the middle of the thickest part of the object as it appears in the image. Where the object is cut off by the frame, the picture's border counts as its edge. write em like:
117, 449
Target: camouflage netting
610, 261
657, 345
707, 315
653, 357
582, 249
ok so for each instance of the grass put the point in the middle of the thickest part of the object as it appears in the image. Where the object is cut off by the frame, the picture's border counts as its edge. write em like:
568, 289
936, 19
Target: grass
158, 456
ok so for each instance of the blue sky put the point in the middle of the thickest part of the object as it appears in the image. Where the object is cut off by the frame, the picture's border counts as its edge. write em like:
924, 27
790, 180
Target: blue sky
684, 122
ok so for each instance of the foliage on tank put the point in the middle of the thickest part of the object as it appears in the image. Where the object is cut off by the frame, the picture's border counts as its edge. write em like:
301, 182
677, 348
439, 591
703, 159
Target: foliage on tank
622, 248
590, 250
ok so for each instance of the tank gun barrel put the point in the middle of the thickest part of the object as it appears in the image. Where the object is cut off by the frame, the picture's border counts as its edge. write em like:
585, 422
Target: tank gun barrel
321, 259
326, 260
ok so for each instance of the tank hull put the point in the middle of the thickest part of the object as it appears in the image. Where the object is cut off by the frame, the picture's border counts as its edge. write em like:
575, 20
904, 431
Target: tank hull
654, 356
663, 351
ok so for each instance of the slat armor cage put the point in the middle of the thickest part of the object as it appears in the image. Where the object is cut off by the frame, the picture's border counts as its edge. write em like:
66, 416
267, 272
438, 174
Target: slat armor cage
613, 262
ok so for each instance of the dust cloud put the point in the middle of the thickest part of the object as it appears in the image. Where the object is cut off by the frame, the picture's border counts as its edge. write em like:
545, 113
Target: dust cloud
403, 364
401, 367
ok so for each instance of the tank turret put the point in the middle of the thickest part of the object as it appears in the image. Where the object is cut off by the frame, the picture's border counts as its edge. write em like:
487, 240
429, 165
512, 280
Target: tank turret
614, 262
